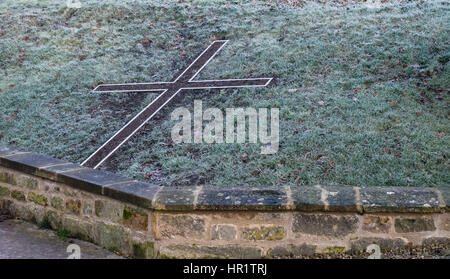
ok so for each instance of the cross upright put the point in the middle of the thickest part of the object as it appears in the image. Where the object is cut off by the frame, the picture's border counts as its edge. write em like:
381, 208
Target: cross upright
168, 90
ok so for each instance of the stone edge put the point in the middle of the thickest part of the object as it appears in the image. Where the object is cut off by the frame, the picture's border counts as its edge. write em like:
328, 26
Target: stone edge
305, 198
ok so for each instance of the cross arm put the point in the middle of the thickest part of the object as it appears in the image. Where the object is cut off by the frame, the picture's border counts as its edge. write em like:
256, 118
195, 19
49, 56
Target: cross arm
228, 83
132, 87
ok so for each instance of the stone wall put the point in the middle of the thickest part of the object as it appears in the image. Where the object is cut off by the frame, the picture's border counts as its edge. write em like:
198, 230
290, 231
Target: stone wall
141, 220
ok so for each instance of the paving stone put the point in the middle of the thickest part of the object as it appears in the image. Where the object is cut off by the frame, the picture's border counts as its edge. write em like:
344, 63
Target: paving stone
399, 199
324, 224
214, 198
407, 225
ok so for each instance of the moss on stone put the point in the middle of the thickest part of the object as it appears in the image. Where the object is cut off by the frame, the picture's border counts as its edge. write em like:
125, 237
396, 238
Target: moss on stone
18, 195
264, 233
38, 199
4, 191
57, 203
145, 250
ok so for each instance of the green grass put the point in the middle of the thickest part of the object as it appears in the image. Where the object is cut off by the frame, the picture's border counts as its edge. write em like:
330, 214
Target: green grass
362, 89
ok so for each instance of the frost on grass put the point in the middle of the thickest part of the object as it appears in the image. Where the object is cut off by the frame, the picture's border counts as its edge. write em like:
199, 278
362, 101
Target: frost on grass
362, 88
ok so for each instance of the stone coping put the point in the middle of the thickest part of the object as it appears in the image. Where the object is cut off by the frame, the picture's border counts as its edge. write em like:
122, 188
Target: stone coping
208, 198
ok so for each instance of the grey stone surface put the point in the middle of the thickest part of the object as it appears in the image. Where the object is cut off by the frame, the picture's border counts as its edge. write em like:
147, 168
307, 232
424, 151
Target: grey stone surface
307, 198
200, 251
291, 251
137, 193
360, 245
27, 162
175, 198
399, 199
407, 225
445, 192
223, 232
215, 198
324, 224
21, 240
181, 225
341, 198
90, 180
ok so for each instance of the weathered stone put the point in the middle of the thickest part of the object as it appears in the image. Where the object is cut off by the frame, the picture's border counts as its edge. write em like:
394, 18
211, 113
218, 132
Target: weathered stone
110, 210
386, 244
73, 206
445, 222
377, 224
136, 193
78, 228
324, 224
54, 219
264, 233
214, 198
307, 198
5, 207
333, 250
87, 209
4, 191
407, 225
135, 218
21, 211
199, 251
37, 199
57, 203
291, 251
89, 180
144, 250
340, 198
175, 198
112, 237
399, 199
28, 162
445, 192
170, 226
8, 178
28, 182
223, 232
18, 195
437, 242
